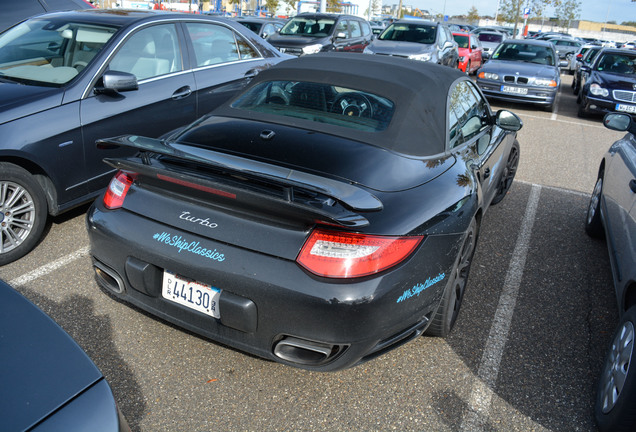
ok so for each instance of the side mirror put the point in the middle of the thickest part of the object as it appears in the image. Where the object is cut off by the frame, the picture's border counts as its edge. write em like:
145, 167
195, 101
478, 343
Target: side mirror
563, 63
618, 122
508, 120
341, 35
585, 68
114, 82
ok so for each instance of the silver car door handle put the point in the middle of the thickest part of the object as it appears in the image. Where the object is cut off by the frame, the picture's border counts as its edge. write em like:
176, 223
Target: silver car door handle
181, 93
251, 74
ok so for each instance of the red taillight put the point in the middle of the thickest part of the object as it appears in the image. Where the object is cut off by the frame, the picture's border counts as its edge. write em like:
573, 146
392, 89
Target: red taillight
117, 189
347, 255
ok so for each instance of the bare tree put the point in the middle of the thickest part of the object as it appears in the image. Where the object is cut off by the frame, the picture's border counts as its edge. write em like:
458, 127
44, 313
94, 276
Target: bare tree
291, 5
473, 15
566, 11
271, 6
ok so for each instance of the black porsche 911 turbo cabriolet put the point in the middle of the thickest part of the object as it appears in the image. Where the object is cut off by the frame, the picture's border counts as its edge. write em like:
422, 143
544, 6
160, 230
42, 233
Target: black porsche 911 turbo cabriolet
327, 214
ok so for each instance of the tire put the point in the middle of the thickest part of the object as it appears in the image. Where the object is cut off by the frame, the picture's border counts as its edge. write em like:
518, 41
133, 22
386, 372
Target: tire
593, 223
508, 175
615, 407
448, 309
582, 111
23, 212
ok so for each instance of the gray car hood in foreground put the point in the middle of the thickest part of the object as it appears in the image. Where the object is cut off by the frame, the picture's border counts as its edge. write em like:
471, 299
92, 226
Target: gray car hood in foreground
41, 367
399, 48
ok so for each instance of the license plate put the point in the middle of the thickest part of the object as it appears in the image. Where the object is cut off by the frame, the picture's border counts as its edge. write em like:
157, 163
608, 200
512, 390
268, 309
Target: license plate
515, 90
626, 108
195, 295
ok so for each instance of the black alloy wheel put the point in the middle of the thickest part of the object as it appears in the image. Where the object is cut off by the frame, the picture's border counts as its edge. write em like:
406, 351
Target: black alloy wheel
448, 309
23, 212
508, 175
615, 408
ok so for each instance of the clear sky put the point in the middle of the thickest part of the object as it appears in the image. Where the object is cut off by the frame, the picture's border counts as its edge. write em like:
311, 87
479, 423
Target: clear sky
591, 10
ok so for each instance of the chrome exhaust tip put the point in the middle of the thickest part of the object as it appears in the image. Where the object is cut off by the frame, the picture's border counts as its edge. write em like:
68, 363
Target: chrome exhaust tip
305, 352
108, 278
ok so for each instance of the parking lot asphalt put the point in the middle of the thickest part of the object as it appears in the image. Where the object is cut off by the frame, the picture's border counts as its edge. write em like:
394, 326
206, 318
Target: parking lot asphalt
524, 356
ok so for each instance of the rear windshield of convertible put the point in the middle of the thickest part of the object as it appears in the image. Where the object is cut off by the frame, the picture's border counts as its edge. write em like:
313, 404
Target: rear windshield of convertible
322, 103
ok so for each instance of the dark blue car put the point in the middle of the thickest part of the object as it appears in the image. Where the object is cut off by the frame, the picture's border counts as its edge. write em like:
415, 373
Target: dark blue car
70, 78
47, 382
609, 83
612, 213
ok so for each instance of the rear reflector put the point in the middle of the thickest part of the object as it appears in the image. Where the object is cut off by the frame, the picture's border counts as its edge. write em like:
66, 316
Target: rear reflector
117, 189
347, 255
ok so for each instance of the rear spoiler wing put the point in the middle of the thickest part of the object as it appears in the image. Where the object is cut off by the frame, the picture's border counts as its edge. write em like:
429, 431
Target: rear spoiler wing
349, 196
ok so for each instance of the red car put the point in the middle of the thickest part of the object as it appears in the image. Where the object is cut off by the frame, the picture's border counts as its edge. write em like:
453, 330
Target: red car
470, 50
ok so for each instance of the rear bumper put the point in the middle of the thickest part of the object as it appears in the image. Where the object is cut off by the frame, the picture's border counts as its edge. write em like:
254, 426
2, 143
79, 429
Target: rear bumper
268, 304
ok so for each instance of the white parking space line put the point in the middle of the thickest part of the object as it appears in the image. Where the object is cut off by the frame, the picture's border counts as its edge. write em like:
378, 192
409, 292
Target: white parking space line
482, 392
560, 120
50, 267
557, 189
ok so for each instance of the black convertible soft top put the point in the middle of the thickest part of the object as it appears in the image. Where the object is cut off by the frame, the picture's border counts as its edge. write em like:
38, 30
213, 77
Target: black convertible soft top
418, 89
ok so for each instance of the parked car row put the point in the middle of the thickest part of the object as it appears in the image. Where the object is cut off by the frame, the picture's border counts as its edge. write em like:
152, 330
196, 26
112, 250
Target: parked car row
177, 86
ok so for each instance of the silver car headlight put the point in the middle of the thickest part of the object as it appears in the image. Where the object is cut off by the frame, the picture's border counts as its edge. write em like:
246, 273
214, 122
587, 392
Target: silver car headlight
312, 49
597, 90
488, 75
545, 82
421, 57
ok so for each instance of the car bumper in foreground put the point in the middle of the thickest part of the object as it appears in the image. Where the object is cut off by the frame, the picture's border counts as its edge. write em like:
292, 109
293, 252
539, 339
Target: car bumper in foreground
269, 306
514, 93
600, 105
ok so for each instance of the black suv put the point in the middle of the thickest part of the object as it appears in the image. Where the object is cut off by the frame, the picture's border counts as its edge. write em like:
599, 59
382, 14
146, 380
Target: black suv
309, 33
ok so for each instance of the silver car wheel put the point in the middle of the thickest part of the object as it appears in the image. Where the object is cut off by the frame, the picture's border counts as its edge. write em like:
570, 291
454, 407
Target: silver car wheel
17, 214
617, 367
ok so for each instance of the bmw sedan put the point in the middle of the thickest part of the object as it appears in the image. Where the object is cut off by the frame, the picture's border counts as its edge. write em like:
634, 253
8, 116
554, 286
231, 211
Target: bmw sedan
326, 215
48, 383
524, 71
609, 83
612, 214
69, 78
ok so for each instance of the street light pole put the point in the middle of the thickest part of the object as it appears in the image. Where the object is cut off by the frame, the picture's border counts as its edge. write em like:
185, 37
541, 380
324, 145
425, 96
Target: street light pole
497, 12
